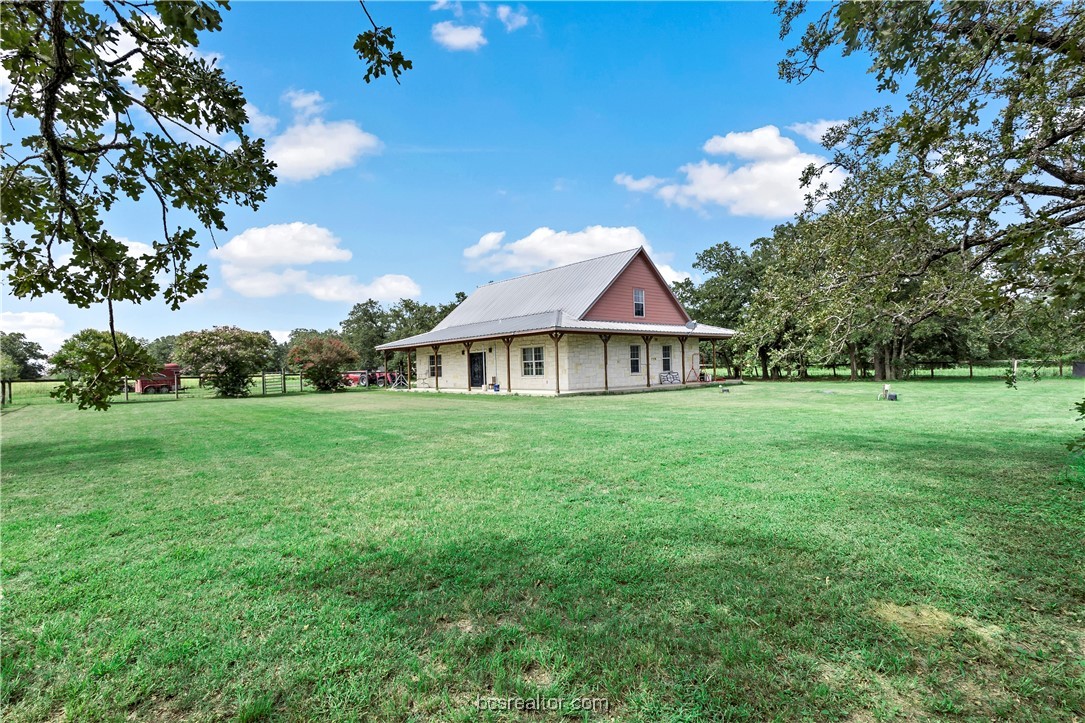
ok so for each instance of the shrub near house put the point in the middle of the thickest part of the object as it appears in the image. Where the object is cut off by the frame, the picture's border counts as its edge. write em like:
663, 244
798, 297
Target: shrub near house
322, 360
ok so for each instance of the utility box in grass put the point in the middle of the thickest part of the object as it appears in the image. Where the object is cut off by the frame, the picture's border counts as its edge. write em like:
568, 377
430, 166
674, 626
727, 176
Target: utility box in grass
1079, 369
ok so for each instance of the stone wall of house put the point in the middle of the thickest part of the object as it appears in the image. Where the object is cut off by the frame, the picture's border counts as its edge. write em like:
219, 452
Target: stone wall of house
580, 368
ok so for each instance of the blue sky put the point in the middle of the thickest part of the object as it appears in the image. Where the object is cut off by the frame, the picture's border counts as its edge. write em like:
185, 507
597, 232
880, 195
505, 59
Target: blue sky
526, 136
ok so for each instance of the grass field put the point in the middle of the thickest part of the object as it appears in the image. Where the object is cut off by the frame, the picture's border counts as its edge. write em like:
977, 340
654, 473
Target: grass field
790, 551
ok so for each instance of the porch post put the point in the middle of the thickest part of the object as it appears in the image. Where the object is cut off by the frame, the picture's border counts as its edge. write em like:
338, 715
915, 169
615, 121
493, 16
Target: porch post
436, 376
713, 360
682, 341
647, 360
605, 338
409, 369
508, 362
385, 366
556, 336
467, 353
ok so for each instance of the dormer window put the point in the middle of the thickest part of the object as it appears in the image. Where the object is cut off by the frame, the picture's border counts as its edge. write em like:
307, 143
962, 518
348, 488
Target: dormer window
638, 302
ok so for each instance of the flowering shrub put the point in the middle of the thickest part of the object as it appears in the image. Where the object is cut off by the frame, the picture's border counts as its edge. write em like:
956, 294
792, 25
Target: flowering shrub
227, 356
322, 360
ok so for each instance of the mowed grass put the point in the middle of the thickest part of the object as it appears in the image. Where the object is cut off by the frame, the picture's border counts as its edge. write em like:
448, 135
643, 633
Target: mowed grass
789, 551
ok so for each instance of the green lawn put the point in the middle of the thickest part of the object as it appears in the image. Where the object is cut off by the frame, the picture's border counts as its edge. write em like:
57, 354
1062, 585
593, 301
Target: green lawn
791, 551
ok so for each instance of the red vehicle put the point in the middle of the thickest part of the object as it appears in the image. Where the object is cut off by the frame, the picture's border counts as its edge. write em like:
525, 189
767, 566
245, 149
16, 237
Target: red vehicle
366, 377
167, 380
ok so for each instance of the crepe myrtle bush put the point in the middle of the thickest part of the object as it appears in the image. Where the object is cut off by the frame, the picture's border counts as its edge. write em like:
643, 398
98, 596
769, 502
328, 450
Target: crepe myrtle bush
322, 360
226, 356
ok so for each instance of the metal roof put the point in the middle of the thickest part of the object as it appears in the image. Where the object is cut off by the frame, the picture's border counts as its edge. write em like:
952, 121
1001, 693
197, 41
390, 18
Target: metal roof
553, 321
571, 289
552, 300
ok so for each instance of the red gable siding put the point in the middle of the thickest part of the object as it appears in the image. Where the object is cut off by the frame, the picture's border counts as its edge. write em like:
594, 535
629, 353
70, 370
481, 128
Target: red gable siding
616, 303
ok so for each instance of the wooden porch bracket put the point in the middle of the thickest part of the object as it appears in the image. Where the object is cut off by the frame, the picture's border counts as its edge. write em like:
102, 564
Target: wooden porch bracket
605, 338
508, 362
647, 359
556, 336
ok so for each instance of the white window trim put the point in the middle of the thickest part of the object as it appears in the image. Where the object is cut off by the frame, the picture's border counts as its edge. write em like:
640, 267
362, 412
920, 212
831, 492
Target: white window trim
643, 304
634, 356
536, 363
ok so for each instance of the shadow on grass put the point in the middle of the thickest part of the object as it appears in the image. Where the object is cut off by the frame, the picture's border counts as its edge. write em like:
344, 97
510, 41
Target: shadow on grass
61, 455
736, 625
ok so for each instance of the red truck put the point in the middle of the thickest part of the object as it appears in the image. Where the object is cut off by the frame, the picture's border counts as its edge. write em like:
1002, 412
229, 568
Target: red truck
167, 380
366, 377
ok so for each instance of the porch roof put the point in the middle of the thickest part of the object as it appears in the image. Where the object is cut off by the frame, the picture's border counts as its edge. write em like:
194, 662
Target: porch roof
550, 321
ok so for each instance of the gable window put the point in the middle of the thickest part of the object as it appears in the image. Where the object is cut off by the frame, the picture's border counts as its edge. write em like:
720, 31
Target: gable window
638, 302
533, 361
634, 359
666, 357
435, 365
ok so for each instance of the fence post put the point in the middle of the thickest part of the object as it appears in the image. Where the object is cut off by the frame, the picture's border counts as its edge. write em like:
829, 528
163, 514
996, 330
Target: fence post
177, 385
282, 377
301, 382
263, 384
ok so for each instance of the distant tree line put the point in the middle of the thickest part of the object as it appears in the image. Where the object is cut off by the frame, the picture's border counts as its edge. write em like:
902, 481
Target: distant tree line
794, 307
226, 357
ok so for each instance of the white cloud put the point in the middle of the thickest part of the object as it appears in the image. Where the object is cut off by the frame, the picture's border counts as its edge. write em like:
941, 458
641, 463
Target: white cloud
458, 37
765, 185
253, 264
455, 7
485, 245
42, 327
280, 335
5, 84
760, 144
282, 244
637, 184
512, 19
545, 248
264, 284
312, 147
305, 103
814, 130
262, 124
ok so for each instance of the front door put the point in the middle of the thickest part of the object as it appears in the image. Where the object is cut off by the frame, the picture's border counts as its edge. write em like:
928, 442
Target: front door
478, 369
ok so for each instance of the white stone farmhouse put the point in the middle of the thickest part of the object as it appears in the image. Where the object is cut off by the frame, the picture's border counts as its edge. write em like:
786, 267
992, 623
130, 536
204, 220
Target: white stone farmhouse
606, 324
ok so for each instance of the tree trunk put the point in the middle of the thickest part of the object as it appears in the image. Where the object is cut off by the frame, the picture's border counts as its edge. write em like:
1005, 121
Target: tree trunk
879, 364
854, 362
763, 353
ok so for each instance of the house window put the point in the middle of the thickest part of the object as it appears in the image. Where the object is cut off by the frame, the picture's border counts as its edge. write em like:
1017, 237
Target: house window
533, 361
435, 365
666, 357
634, 359
638, 302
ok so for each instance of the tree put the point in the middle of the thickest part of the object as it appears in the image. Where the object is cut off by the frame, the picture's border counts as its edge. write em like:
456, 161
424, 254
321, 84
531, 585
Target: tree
365, 328
995, 121
162, 348
227, 356
116, 104
322, 359
27, 356
9, 369
93, 368
994, 126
